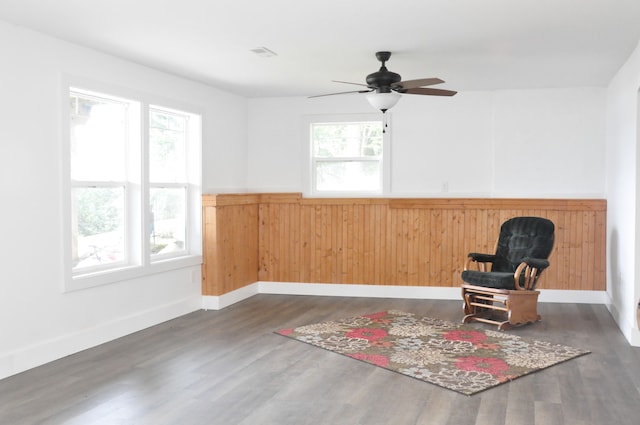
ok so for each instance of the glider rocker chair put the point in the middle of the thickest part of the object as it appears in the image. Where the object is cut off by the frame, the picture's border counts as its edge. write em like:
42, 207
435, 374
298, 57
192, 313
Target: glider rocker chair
504, 292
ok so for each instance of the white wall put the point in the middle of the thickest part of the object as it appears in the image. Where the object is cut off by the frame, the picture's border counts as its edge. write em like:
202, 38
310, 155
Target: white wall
38, 322
550, 143
525, 143
623, 176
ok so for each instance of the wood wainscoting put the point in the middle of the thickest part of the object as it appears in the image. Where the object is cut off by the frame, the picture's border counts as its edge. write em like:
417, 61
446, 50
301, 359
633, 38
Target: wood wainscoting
386, 241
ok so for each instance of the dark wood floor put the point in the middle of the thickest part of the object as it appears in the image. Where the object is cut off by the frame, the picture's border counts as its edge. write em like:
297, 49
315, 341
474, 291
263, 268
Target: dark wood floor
228, 367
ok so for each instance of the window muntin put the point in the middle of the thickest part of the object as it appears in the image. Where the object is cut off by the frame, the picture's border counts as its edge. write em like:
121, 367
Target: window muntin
347, 156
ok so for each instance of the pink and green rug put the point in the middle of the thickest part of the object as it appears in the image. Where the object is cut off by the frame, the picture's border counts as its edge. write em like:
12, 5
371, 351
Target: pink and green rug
458, 357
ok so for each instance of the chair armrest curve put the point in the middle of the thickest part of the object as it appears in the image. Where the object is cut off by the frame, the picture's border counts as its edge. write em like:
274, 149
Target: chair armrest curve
538, 263
482, 258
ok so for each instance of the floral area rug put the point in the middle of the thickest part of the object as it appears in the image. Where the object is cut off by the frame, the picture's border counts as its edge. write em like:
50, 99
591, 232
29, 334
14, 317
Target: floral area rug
458, 357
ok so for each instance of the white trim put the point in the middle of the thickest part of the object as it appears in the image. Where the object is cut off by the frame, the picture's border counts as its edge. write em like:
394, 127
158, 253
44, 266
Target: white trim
576, 297
628, 329
43, 352
210, 302
634, 337
105, 277
381, 291
365, 291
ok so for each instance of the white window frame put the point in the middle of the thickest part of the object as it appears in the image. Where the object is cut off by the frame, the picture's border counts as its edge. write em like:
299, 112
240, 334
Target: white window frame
192, 124
138, 262
309, 172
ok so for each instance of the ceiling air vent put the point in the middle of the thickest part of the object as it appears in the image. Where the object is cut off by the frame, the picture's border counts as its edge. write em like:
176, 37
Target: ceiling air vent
264, 52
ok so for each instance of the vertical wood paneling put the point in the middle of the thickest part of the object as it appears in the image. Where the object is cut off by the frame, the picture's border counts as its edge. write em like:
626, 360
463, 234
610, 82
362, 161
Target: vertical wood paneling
230, 244
419, 242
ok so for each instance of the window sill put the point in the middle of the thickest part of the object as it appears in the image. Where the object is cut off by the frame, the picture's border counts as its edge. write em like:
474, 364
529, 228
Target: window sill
86, 281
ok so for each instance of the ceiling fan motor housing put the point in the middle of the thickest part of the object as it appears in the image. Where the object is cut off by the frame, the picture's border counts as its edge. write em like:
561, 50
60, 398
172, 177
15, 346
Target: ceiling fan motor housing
383, 79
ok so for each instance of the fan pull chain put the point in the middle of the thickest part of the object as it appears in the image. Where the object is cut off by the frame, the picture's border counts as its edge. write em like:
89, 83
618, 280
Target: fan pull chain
385, 123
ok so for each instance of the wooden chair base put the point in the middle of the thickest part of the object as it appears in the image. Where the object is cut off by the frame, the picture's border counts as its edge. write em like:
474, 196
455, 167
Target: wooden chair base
502, 307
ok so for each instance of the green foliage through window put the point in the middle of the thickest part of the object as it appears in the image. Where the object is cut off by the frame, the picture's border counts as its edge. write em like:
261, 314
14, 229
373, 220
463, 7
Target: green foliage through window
347, 156
347, 139
99, 210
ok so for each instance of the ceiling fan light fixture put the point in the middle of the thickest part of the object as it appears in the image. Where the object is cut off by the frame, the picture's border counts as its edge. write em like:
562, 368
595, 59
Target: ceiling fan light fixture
383, 101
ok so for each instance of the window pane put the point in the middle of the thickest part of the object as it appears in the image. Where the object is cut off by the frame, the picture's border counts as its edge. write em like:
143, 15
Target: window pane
347, 139
348, 176
167, 136
168, 228
97, 226
98, 130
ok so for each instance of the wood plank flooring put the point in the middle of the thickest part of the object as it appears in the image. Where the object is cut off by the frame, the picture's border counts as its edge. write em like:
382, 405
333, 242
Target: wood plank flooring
228, 367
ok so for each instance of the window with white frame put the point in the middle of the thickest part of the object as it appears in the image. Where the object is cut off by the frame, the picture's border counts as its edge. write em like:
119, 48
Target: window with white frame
168, 185
134, 187
347, 155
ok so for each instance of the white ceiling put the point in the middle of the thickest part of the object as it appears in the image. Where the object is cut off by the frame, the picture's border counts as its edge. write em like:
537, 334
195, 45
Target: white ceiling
471, 44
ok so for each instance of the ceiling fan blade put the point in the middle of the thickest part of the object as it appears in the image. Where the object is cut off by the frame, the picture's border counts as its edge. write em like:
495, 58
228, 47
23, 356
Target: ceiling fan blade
348, 82
410, 84
342, 92
431, 92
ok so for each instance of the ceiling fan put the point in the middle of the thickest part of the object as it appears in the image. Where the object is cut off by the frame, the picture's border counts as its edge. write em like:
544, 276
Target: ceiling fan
384, 86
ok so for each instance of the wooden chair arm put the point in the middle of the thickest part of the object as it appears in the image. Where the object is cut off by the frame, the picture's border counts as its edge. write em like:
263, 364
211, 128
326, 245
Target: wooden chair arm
526, 275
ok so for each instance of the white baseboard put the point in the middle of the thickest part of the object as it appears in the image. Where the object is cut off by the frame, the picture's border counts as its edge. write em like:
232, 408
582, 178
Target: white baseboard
210, 302
371, 291
628, 329
575, 297
381, 291
634, 338
43, 352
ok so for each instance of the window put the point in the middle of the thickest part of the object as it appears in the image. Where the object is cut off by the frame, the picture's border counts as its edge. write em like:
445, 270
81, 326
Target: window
99, 137
168, 186
347, 155
134, 188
